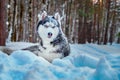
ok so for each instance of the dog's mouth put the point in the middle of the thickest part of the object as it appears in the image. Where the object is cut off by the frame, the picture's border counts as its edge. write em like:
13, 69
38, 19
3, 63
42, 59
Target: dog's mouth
49, 35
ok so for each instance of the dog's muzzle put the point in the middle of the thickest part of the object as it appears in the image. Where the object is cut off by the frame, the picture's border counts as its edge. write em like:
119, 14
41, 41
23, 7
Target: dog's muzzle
50, 35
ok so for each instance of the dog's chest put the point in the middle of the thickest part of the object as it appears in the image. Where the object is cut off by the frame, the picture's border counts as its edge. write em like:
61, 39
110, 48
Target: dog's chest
49, 52
46, 49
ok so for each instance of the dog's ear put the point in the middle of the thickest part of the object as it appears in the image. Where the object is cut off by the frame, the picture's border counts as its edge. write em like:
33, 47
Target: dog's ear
42, 16
57, 17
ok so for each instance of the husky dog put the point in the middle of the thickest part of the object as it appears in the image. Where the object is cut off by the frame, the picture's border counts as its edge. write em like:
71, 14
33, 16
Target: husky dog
53, 43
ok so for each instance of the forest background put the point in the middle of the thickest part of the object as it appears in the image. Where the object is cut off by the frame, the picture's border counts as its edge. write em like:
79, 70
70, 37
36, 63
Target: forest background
91, 21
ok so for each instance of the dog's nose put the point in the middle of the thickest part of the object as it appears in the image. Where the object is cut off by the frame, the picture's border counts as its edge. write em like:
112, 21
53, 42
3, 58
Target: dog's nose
49, 34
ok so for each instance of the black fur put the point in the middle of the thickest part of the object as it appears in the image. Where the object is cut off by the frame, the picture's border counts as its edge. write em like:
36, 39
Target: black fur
48, 19
60, 40
64, 46
32, 48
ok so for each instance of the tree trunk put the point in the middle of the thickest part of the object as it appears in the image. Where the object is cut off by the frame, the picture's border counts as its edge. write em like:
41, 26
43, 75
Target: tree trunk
107, 22
112, 25
13, 21
2, 23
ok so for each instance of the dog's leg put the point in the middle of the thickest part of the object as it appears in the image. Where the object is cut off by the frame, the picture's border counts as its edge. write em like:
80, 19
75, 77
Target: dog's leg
6, 50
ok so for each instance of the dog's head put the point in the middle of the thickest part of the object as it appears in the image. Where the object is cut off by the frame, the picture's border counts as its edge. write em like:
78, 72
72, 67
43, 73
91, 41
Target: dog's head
49, 27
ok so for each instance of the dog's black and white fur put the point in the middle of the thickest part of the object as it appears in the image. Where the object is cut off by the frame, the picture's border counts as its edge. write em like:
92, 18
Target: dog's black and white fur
53, 43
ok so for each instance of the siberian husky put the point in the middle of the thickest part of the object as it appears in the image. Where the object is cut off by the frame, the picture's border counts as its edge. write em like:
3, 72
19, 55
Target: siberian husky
53, 43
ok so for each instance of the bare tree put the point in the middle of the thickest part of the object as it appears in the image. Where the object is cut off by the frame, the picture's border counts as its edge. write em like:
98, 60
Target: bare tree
2, 22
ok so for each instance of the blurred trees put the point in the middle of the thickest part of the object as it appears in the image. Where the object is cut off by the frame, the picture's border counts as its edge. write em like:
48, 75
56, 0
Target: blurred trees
92, 21
2, 23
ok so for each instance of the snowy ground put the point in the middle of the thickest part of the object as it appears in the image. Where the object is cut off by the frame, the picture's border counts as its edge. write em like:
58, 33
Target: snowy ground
86, 62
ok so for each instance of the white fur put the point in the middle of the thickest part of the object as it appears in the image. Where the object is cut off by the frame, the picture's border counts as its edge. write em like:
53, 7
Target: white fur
50, 56
49, 48
49, 53
43, 32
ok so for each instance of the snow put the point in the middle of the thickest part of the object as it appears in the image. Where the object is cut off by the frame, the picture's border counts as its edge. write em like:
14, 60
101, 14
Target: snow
86, 62
8, 6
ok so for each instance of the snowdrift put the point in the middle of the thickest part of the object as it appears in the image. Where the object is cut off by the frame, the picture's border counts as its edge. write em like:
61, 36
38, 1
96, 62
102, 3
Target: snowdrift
86, 62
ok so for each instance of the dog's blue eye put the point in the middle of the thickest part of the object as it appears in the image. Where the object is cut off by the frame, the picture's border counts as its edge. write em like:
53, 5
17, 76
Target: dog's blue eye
46, 26
53, 27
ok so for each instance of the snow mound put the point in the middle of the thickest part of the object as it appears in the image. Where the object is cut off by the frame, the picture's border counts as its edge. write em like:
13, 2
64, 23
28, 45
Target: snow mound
104, 71
86, 62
